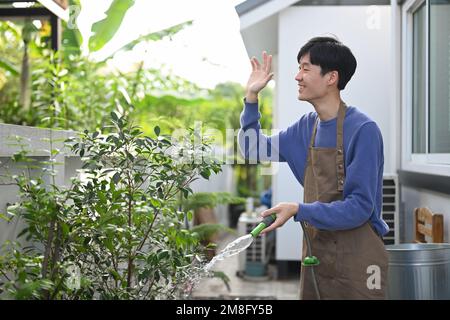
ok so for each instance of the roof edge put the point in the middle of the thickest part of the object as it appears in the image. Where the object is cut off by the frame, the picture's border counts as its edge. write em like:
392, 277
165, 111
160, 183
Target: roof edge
252, 12
249, 5
56, 8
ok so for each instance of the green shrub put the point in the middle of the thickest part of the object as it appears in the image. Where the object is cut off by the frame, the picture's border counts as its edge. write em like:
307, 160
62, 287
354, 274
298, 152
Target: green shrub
118, 232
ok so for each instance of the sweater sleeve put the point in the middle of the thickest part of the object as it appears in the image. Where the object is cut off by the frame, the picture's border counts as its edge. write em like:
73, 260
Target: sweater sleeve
364, 161
253, 144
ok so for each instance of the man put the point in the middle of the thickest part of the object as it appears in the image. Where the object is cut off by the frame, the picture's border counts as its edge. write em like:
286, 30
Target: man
336, 153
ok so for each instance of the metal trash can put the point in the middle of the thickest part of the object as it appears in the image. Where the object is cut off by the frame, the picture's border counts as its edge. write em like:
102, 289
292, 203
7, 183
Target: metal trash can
419, 271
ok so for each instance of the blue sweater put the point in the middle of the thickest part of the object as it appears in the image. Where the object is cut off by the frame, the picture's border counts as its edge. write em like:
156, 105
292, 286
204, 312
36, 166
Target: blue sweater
363, 156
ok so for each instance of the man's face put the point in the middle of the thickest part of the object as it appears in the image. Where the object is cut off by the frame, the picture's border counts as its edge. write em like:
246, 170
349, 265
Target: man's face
311, 84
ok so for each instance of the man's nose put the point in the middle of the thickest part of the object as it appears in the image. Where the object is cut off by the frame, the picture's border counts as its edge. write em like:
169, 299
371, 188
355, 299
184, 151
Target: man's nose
298, 77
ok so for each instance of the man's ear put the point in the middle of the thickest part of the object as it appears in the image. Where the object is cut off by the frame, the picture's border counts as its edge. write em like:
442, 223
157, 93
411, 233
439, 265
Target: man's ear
333, 78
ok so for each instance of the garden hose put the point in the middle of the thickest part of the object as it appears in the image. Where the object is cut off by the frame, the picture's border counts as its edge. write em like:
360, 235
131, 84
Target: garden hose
310, 260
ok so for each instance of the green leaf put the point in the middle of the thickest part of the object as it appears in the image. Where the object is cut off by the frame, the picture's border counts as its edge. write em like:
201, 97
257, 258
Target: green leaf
116, 177
4, 217
23, 232
104, 30
115, 274
65, 229
155, 202
71, 36
129, 156
205, 173
157, 130
136, 132
4, 64
163, 254
86, 241
114, 116
154, 36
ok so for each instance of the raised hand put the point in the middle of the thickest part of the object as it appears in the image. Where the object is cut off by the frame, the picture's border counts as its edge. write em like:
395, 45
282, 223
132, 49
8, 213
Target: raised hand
260, 76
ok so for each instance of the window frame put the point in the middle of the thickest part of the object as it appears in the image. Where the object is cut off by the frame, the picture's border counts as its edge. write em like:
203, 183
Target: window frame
431, 163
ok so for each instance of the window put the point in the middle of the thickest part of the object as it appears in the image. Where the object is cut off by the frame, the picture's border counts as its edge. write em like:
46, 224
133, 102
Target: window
439, 102
429, 82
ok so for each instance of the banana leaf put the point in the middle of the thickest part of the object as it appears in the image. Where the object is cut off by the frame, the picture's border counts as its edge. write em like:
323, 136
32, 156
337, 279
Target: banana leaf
105, 29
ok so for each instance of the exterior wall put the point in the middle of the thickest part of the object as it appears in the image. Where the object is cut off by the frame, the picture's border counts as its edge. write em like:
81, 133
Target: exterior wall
367, 32
36, 140
222, 182
413, 198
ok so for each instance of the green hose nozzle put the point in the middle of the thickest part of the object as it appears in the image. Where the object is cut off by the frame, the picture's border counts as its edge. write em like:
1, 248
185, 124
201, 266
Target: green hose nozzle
310, 261
262, 225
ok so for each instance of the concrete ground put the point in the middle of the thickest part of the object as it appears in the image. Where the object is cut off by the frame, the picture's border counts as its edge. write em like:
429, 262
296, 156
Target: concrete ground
244, 289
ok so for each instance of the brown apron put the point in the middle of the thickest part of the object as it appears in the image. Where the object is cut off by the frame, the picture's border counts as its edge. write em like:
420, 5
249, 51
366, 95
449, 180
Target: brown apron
353, 263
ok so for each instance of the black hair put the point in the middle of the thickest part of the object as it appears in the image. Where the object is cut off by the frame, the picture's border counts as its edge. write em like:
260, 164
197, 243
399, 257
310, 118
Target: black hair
331, 55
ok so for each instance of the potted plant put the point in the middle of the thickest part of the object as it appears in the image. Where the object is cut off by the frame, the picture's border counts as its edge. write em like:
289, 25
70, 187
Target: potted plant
205, 220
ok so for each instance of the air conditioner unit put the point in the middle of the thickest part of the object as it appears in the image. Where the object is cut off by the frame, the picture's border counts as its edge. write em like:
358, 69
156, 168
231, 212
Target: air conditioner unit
254, 260
390, 208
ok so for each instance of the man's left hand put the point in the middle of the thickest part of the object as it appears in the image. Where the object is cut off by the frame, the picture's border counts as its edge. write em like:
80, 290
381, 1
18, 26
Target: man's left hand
284, 211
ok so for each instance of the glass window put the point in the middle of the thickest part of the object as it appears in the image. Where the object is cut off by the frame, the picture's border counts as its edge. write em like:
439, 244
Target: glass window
419, 81
439, 115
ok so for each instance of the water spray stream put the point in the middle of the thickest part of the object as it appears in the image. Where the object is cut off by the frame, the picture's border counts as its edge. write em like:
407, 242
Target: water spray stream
242, 243
233, 248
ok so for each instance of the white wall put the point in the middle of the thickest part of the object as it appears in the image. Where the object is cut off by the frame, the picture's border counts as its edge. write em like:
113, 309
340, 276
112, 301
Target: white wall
222, 182
37, 142
413, 198
366, 31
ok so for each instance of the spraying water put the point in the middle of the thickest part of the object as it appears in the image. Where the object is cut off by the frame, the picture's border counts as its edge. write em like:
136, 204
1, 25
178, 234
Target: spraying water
233, 248
238, 245
242, 243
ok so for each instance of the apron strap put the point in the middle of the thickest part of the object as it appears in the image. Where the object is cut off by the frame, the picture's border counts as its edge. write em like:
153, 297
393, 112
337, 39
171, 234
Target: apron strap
313, 136
340, 146
311, 142
340, 164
